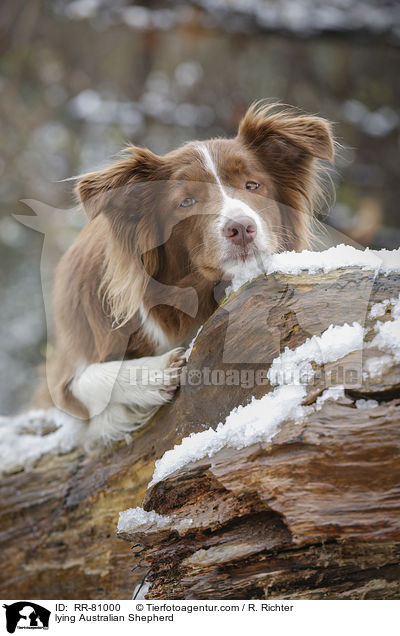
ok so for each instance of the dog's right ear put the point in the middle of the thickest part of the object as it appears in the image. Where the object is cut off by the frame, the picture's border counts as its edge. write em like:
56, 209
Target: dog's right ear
106, 190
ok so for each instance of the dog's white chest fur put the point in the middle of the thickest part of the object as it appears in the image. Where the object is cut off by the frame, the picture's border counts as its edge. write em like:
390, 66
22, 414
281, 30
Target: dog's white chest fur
155, 333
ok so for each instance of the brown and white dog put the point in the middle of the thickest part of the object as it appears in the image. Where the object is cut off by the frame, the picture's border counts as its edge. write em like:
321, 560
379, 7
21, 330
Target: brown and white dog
163, 230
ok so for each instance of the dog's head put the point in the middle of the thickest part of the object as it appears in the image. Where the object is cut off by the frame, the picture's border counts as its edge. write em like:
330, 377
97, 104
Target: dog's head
215, 206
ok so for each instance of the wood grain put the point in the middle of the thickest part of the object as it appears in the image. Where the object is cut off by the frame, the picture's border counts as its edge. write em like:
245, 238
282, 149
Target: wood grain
314, 514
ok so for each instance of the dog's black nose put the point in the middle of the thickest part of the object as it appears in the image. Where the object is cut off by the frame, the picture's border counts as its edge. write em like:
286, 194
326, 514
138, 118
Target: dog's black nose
241, 231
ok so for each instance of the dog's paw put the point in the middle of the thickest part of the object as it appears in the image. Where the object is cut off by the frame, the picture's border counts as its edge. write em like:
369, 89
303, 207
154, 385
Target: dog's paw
144, 383
175, 361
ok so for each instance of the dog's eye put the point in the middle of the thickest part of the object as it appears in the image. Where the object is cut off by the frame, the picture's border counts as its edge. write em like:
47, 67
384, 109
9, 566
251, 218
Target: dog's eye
186, 203
252, 185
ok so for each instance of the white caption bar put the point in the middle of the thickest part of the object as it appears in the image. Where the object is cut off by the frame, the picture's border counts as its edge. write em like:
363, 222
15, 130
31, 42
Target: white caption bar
177, 617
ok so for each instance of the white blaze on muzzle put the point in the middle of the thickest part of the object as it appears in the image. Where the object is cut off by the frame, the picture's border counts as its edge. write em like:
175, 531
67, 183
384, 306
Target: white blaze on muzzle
233, 208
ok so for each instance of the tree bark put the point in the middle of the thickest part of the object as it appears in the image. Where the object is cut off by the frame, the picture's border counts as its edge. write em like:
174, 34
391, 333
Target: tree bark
312, 514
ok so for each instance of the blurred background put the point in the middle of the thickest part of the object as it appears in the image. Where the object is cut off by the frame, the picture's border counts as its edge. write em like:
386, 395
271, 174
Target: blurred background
80, 79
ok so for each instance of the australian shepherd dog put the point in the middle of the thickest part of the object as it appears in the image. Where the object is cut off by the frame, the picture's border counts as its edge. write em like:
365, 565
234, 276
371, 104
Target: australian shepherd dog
163, 231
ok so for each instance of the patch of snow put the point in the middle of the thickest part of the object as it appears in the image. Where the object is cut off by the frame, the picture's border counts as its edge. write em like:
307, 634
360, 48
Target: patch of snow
334, 343
378, 309
333, 393
326, 261
387, 339
340, 256
245, 425
376, 366
395, 310
140, 591
366, 404
260, 420
140, 520
191, 345
387, 336
27, 437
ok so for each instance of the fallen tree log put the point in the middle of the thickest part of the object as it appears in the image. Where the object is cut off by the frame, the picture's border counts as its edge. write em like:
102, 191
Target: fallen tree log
313, 513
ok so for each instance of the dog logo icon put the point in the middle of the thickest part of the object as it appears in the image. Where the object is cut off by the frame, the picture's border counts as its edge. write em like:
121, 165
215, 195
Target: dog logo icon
26, 615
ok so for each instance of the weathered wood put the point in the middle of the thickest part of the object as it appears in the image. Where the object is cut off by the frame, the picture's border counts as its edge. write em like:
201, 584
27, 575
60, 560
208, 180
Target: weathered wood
315, 514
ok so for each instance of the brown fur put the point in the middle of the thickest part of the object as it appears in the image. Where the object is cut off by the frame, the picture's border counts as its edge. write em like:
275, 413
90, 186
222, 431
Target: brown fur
141, 248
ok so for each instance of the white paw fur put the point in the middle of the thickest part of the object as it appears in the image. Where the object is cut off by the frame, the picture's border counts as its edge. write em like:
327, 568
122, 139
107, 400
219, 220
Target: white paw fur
123, 395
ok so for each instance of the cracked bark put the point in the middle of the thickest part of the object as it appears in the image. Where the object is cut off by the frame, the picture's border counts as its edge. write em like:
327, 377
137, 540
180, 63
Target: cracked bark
313, 514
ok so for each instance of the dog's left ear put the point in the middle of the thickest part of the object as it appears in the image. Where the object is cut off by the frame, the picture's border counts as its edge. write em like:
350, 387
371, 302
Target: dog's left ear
283, 135
289, 146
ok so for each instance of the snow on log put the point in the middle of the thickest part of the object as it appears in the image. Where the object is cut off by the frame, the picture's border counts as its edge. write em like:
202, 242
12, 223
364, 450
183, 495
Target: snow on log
274, 474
